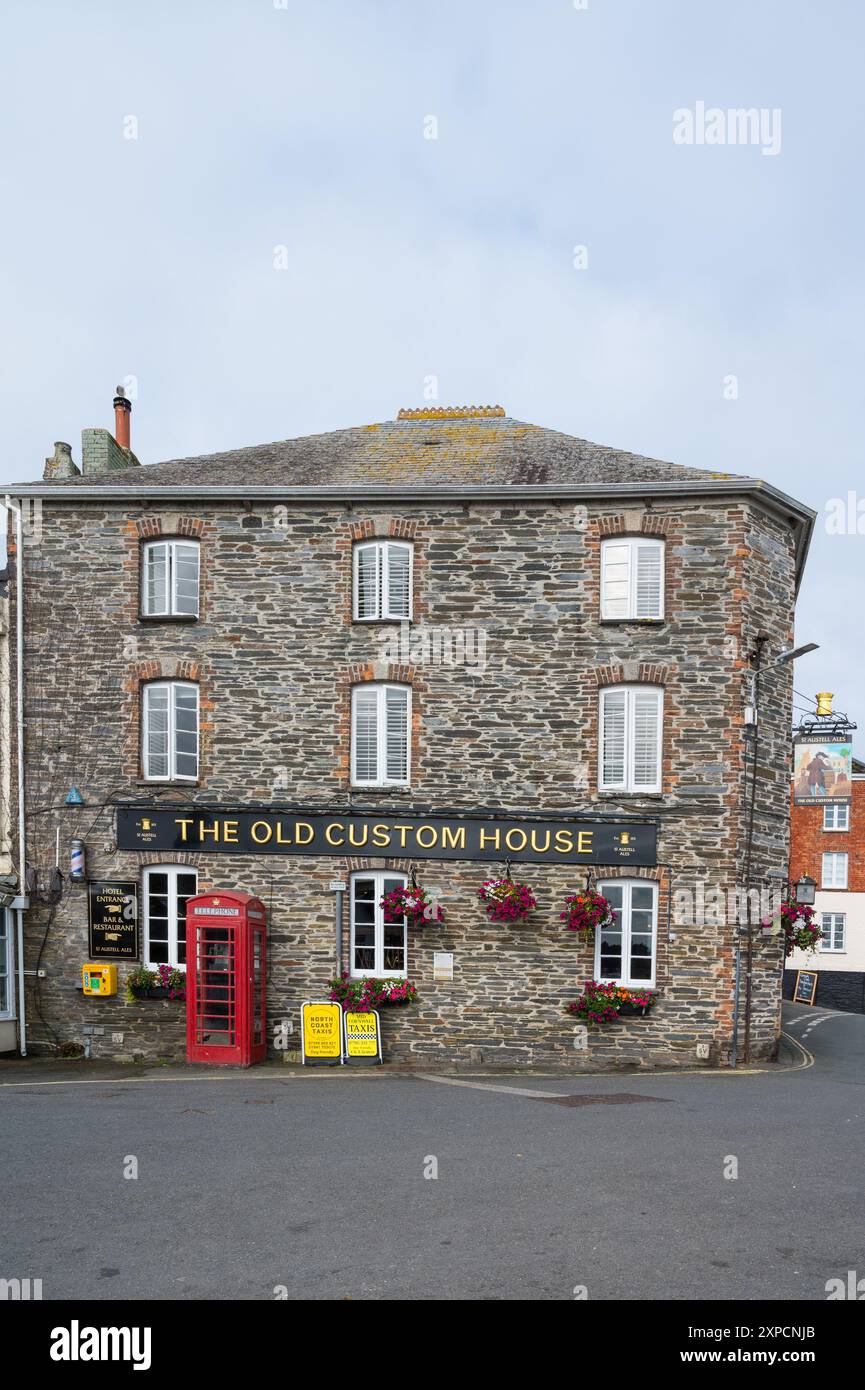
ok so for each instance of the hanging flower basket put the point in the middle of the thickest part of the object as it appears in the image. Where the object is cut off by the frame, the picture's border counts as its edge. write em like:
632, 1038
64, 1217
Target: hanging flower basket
414, 904
585, 911
506, 901
366, 992
798, 925
603, 1002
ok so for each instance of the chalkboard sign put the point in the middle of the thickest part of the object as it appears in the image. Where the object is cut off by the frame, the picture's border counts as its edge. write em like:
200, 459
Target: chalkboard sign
806, 986
113, 920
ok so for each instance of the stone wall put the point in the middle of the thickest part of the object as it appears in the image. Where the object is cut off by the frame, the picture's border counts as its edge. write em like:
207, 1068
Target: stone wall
276, 653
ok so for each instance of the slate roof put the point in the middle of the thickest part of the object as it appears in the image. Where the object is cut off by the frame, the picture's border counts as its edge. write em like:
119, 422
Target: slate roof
471, 449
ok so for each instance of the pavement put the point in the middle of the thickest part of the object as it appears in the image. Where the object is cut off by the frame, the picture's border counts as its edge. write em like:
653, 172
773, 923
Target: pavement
279, 1182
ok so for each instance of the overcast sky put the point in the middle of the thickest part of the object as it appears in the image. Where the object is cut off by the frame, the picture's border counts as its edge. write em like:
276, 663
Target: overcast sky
303, 126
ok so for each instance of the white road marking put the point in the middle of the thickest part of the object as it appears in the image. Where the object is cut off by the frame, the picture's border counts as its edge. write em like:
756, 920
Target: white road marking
485, 1086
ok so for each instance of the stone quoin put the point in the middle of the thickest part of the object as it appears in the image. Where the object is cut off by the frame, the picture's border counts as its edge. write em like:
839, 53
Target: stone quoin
213, 639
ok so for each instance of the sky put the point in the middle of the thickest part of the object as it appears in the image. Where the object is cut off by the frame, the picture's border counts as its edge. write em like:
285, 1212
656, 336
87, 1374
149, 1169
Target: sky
273, 218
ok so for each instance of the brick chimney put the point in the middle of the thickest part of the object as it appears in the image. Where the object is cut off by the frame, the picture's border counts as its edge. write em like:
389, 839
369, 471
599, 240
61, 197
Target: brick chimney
122, 413
104, 452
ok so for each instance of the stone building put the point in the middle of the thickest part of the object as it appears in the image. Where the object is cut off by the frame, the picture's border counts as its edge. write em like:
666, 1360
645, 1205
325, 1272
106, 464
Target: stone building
424, 647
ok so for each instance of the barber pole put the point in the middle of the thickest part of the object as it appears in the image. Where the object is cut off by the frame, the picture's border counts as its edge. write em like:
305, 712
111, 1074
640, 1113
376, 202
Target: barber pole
76, 861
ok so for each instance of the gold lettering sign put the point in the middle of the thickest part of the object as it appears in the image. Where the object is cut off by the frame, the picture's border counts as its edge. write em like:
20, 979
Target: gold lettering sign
491, 837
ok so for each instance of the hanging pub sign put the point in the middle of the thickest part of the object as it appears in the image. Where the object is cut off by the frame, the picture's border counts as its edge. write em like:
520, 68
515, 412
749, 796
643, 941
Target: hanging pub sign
362, 1038
112, 919
822, 772
250, 831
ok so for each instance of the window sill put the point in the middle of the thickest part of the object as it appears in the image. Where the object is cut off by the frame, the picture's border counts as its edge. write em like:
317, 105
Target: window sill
166, 782
635, 622
150, 618
606, 795
380, 622
388, 789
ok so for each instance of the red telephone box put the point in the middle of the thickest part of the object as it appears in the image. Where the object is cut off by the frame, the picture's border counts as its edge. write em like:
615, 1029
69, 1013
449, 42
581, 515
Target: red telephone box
226, 978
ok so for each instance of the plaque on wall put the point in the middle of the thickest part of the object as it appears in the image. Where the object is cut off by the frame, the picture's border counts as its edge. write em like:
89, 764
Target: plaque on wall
112, 920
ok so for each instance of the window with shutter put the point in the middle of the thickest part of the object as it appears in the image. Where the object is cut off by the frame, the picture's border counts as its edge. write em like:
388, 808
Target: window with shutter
616, 579
398, 581
380, 732
646, 739
632, 579
649, 580
382, 581
169, 730
630, 738
613, 713
366, 579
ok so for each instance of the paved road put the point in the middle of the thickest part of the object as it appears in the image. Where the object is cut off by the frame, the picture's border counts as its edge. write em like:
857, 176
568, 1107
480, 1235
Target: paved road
315, 1182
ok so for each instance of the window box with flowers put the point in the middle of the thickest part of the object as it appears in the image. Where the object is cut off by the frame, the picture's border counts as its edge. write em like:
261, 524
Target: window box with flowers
602, 1001
166, 982
366, 992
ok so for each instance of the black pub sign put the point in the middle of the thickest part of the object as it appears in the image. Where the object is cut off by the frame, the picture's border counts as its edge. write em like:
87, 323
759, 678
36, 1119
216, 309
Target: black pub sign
264, 831
113, 920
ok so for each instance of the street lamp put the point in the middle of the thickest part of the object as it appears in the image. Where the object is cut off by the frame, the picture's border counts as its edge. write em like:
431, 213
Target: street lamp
805, 889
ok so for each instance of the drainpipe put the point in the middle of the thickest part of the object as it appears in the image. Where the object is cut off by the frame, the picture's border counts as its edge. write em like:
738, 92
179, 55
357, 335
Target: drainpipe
19, 716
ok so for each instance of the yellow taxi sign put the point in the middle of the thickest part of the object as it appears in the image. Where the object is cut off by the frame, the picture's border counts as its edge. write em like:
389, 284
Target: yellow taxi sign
321, 1034
362, 1037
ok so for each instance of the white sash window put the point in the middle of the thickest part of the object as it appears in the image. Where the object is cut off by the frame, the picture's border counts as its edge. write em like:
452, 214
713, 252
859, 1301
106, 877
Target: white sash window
380, 735
625, 950
169, 731
377, 947
167, 889
834, 871
382, 581
630, 738
632, 579
169, 579
833, 924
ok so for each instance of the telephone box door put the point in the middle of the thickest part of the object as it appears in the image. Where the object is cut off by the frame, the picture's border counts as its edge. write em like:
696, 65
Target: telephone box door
226, 936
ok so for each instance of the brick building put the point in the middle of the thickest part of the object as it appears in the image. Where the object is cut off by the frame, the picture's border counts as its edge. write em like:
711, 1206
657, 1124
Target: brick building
828, 844
449, 625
